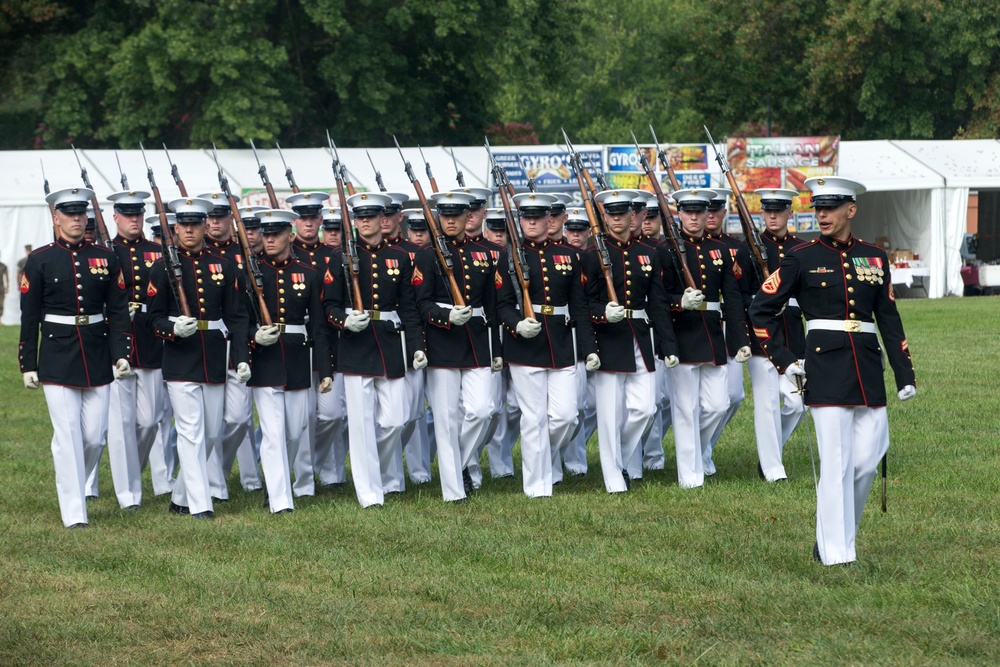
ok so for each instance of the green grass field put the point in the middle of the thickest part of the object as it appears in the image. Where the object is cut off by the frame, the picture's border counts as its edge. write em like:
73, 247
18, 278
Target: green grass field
720, 575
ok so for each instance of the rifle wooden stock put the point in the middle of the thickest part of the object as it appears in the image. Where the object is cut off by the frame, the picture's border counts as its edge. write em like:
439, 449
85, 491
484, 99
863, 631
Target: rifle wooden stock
516, 249
102, 229
272, 198
432, 224
249, 260
174, 272
347, 239
749, 228
434, 185
582, 179
667, 220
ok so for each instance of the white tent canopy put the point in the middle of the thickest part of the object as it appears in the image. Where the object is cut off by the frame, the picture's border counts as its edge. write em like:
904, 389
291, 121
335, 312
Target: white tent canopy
917, 190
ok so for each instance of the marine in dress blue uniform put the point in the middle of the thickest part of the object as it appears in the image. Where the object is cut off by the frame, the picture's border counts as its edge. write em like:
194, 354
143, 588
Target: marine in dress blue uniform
844, 289
194, 350
541, 346
74, 294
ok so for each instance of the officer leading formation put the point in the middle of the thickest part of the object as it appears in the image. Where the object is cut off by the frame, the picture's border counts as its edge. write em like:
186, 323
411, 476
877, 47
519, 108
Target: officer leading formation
362, 331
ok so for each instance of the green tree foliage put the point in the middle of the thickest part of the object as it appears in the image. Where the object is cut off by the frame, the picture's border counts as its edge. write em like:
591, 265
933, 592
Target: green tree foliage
109, 73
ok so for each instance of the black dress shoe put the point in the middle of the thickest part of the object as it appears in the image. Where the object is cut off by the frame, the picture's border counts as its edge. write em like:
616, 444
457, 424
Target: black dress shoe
131, 508
287, 510
174, 508
467, 482
816, 556
760, 472
91, 497
628, 480
219, 500
78, 526
209, 515
557, 483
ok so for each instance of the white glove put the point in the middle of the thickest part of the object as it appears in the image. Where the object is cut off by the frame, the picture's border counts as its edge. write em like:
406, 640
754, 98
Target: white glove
325, 385
356, 320
121, 369
459, 316
742, 354
796, 374
497, 364
528, 327
419, 360
692, 299
671, 361
243, 372
907, 392
614, 313
131, 315
267, 335
593, 362
31, 380
185, 326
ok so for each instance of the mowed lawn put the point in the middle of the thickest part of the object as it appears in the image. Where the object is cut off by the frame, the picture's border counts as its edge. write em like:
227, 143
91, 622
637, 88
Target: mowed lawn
720, 575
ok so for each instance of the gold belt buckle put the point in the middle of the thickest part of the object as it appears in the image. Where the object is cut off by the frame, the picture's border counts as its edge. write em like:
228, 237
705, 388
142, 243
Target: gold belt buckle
281, 327
852, 326
548, 310
134, 306
202, 325
82, 320
629, 313
702, 306
374, 314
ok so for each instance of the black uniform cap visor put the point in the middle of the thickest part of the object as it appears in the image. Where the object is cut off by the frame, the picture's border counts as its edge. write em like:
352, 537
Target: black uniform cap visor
830, 201
72, 207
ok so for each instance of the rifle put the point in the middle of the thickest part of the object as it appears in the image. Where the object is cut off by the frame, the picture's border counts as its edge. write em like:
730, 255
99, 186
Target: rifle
339, 166
518, 263
459, 176
427, 166
593, 208
255, 278
288, 172
350, 248
662, 154
378, 176
756, 244
440, 244
52, 208
175, 274
673, 233
262, 170
176, 174
121, 172
102, 229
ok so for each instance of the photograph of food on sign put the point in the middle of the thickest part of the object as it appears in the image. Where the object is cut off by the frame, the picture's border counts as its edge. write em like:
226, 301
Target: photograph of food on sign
782, 162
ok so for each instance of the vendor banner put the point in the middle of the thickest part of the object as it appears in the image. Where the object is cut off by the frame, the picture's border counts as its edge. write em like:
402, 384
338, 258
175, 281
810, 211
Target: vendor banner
551, 170
689, 162
781, 162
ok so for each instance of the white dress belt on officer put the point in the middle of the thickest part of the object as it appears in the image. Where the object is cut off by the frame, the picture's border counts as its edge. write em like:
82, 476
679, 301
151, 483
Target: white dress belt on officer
74, 320
208, 325
848, 326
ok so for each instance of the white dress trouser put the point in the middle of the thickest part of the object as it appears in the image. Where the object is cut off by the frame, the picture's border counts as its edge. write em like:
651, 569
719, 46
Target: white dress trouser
163, 455
547, 397
734, 387
500, 448
283, 416
198, 410
767, 416
462, 403
625, 405
575, 454
652, 457
852, 440
79, 426
330, 433
376, 415
134, 414
698, 404
237, 425
416, 441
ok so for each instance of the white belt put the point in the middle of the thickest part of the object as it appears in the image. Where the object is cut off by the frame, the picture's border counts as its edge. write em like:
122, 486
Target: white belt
635, 314
551, 310
208, 325
75, 320
849, 326
292, 329
387, 315
710, 305
793, 303
136, 306
476, 312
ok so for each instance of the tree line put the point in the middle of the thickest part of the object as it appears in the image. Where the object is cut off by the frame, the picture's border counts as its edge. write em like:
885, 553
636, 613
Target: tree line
110, 73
